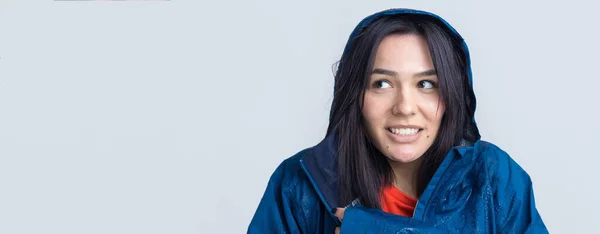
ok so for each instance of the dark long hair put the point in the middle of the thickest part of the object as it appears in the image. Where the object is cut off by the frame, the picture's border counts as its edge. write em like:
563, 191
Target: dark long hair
362, 169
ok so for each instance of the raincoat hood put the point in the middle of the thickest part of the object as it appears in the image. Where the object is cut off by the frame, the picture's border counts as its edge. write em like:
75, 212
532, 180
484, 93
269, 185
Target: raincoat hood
369, 19
321, 162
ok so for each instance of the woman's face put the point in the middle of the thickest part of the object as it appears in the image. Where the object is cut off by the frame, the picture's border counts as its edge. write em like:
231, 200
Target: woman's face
402, 107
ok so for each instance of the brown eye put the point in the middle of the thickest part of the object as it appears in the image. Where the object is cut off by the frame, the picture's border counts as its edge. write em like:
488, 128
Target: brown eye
426, 84
381, 84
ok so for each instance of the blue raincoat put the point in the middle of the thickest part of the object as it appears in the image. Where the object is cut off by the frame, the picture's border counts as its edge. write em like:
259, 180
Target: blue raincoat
478, 188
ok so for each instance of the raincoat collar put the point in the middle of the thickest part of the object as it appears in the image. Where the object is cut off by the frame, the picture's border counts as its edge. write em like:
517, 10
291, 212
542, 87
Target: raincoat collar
320, 165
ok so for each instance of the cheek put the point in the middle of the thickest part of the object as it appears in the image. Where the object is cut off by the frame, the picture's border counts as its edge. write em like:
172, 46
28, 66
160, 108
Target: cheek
374, 113
434, 109
374, 109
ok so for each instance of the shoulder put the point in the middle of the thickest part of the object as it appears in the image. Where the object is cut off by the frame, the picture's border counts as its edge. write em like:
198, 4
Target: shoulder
497, 160
289, 203
289, 173
291, 182
505, 173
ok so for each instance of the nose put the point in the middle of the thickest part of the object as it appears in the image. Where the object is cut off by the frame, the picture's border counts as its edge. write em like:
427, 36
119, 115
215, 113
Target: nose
405, 103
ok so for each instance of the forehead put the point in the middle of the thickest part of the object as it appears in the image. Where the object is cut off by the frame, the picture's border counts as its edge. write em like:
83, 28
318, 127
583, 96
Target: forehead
403, 53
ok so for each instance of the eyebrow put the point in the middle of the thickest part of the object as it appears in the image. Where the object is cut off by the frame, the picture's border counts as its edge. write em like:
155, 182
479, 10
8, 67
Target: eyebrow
382, 71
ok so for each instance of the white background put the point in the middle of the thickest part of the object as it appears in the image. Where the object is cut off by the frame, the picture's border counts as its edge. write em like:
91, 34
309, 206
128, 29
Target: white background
170, 116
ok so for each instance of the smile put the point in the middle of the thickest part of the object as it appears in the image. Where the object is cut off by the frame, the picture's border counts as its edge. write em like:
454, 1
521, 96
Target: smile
404, 131
404, 135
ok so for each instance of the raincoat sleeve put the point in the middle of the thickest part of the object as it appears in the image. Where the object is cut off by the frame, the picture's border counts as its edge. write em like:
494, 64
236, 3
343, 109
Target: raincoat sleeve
364, 220
288, 205
513, 208
515, 203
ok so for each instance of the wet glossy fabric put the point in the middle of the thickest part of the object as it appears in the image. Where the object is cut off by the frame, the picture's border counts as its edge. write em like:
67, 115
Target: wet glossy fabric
478, 188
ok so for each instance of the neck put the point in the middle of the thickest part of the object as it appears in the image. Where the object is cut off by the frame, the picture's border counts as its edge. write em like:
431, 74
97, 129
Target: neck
405, 176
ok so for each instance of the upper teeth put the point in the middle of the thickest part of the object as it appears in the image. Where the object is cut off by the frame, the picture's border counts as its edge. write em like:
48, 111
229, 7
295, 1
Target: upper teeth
404, 131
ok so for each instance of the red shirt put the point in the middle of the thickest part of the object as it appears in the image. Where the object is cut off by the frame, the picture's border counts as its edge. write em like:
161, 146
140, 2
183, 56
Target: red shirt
396, 202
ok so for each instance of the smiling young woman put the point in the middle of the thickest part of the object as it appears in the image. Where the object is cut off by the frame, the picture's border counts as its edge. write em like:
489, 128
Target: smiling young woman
402, 150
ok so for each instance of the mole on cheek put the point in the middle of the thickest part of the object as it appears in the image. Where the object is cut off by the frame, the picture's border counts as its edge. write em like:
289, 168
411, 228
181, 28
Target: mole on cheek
387, 147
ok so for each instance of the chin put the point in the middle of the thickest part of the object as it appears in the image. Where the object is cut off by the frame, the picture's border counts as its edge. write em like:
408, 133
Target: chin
403, 155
